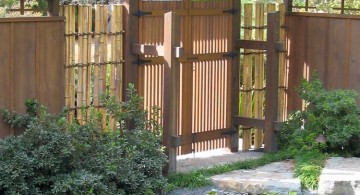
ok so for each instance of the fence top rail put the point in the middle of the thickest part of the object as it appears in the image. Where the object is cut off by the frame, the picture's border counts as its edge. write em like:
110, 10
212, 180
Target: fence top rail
32, 19
323, 15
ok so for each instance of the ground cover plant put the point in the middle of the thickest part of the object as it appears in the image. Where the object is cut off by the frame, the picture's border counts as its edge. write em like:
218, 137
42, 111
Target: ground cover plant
330, 124
55, 157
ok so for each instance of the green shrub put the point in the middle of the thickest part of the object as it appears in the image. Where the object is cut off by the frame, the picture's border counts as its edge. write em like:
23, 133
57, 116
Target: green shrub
55, 157
333, 114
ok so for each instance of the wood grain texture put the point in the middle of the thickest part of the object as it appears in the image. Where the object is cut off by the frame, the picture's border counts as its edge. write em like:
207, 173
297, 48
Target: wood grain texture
33, 65
328, 46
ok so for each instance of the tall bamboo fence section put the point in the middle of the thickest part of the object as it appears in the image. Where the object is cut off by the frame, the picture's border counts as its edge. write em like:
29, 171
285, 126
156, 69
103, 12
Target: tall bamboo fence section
253, 62
94, 59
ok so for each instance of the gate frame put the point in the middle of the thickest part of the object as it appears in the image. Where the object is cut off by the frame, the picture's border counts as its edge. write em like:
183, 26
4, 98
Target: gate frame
273, 48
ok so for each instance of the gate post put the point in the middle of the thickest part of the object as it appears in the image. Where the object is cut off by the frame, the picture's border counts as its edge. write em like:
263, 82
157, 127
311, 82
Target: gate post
171, 86
272, 80
131, 37
235, 71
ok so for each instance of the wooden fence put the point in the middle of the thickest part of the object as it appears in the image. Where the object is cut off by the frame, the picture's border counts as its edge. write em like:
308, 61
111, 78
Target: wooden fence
94, 59
326, 43
205, 76
252, 86
31, 64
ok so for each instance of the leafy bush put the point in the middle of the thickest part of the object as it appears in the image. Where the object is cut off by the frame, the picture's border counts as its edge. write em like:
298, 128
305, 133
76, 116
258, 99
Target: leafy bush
55, 157
333, 115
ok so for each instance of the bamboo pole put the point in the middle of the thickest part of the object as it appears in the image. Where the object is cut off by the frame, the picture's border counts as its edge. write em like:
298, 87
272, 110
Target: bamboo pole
89, 59
72, 61
113, 91
84, 61
97, 90
103, 56
259, 74
282, 70
247, 77
66, 12
80, 84
120, 41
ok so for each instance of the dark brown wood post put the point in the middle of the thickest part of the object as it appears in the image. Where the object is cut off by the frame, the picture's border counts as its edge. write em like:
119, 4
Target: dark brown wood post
171, 85
288, 5
235, 71
131, 37
53, 7
272, 80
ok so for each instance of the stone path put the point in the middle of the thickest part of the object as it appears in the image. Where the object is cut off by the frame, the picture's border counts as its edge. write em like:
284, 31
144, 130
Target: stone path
340, 176
276, 178
187, 163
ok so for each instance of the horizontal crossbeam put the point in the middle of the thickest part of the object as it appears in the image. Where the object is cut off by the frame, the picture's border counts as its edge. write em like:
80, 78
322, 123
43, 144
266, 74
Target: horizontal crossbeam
154, 50
182, 140
256, 123
259, 45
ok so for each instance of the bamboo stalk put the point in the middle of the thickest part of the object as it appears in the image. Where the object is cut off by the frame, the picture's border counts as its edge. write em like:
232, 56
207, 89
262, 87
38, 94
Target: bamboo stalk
84, 61
247, 77
66, 12
113, 92
71, 80
282, 70
89, 59
97, 90
120, 41
80, 84
103, 57
259, 75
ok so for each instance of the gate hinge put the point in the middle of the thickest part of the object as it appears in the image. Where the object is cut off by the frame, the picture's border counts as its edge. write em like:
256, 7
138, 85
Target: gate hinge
231, 54
140, 13
230, 11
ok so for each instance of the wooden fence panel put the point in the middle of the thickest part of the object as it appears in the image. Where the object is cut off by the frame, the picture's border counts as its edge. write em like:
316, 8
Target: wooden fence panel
94, 59
205, 76
31, 64
329, 45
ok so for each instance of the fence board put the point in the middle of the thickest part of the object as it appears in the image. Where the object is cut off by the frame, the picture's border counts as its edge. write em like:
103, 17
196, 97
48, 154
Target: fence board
6, 73
328, 46
33, 64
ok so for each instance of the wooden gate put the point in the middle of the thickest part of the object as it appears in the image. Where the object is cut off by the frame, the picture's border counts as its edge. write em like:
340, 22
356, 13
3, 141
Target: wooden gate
205, 104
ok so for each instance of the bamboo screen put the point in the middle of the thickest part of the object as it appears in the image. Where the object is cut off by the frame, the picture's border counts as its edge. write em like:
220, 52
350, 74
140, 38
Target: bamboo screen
204, 72
94, 58
252, 101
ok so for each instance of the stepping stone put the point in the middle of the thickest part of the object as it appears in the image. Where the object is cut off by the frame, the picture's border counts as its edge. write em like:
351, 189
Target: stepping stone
277, 177
340, 176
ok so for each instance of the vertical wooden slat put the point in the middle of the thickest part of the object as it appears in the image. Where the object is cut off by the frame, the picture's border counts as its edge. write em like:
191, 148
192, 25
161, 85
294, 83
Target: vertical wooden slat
247, 77
259, 74
272, 80
187, 81
131, 37
171, 86
235, 81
